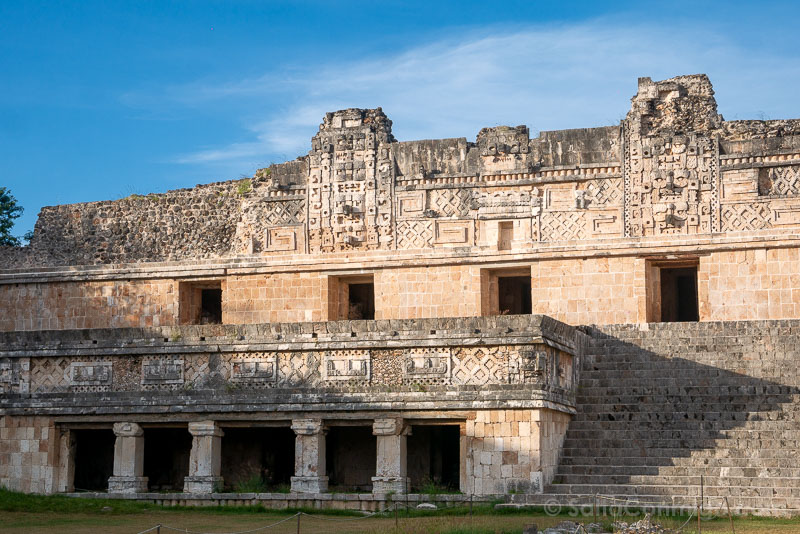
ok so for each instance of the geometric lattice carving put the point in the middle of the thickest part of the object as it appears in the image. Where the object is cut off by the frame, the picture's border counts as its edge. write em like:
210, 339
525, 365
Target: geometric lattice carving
297, 369
479, 366
604, 191
286, 212
779, 181
49, 375
563, 226
450, 202
744, 217
414, 234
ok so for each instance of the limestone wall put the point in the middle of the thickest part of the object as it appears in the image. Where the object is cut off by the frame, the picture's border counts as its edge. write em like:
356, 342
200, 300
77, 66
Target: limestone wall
513, 451
748, 283
95, 304
29, 455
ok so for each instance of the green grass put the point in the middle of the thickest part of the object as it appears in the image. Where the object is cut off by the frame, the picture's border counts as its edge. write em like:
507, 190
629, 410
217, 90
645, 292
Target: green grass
67, 515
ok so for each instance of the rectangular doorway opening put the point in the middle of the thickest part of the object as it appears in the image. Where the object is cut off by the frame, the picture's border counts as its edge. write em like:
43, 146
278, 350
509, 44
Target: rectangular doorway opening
679, 294
200, 302
361, 301
166, 458
434, 457
350, 456
351, 298
506, 291
514, 295
257, 460
94, 459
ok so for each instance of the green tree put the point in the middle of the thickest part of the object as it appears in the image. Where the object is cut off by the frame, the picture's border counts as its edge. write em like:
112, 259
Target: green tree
9, 210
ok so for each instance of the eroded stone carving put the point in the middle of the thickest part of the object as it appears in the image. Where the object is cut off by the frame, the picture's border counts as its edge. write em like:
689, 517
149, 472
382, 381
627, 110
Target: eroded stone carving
162, 371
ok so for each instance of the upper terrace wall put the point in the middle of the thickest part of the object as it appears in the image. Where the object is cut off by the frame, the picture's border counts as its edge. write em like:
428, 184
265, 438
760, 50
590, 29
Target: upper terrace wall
673, 168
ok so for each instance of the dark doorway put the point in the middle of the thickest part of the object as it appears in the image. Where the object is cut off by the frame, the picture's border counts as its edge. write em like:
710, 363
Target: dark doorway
514, 295
679, 295
351, 456
434, 457
94, 459
166, 457
361, 301
257, 460
211, 304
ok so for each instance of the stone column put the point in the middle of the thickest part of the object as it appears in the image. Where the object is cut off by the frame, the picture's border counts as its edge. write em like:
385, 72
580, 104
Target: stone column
128, 460
390, 471
309, 457
205, 460
66, 461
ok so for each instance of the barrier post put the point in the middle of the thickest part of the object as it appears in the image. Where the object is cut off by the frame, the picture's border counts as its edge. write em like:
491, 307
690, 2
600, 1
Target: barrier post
594, 507
699, 528
728, 506
396, 524
298, 522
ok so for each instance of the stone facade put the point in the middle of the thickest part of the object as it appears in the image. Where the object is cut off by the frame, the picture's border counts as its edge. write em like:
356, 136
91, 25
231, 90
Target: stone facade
376, 302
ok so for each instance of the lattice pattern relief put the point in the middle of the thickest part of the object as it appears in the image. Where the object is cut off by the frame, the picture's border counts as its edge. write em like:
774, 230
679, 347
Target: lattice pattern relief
286, 212
479, 366
50, 375
296, 369
450, 202
414, 234
604, 191
745, 217
563, 225
780, 181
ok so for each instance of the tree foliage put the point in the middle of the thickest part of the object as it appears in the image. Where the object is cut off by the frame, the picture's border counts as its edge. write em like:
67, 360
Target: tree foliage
9, 211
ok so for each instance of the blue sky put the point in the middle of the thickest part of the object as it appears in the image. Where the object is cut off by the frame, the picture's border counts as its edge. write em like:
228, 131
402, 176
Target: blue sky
100, 100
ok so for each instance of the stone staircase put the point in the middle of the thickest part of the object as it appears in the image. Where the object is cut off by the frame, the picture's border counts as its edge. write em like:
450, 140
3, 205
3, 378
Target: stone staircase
661, 405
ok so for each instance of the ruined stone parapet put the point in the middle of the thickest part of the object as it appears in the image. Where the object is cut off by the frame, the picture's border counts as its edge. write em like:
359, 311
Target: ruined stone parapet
361, 191
526, 361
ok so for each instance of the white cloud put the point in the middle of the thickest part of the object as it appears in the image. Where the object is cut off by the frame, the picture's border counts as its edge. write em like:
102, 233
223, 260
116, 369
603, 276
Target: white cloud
548, 78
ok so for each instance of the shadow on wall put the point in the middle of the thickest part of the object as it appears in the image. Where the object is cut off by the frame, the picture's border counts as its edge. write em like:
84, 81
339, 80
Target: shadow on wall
659, 408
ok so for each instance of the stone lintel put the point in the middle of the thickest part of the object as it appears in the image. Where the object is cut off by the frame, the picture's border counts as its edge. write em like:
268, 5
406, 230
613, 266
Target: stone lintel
205, 428
308, 427
126, 430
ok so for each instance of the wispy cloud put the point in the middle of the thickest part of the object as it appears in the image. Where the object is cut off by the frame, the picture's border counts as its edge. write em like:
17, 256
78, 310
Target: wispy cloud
549, 78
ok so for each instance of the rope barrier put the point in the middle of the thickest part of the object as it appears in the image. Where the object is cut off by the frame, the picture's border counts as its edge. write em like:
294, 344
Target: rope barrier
687, 522
313, 516
343, 520
187, 531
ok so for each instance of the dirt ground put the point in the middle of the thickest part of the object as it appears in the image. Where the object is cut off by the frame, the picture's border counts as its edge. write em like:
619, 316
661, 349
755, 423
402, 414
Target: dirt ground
208, 522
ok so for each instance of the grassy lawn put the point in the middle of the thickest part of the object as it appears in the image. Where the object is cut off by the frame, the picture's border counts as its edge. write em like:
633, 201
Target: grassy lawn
32, 514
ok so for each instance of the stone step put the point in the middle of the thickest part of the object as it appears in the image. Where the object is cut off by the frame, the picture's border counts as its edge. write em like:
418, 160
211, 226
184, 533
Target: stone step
670, 480
692, 490
676, 452
622, 462
583, 503
670, 470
